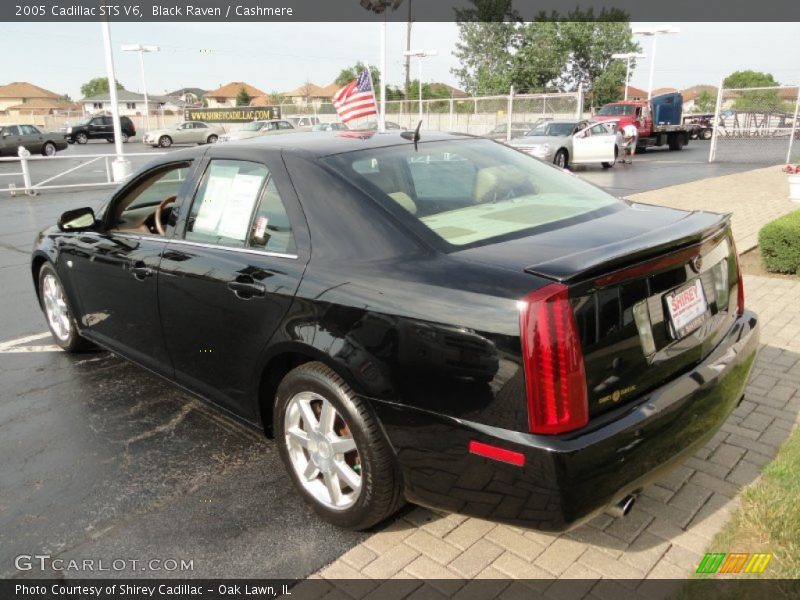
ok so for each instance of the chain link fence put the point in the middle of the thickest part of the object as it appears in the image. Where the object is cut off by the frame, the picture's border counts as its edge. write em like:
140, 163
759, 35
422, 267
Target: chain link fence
756, 125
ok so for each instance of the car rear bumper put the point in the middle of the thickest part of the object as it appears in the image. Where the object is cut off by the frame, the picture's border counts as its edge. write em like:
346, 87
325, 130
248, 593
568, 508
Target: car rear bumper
567, 479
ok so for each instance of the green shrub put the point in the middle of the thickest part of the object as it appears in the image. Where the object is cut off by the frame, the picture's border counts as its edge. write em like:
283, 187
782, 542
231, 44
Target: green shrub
780, 244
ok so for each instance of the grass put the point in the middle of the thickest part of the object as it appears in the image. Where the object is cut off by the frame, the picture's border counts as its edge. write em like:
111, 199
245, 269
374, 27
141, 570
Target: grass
768, 520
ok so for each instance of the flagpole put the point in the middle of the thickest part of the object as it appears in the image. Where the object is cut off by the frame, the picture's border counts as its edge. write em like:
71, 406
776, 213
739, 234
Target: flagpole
374, 98
382, 117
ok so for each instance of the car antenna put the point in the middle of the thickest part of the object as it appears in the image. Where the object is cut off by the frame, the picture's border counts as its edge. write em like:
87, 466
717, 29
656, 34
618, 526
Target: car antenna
407, 135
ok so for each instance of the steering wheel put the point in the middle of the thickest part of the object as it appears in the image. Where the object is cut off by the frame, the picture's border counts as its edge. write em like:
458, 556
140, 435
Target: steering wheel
160, 211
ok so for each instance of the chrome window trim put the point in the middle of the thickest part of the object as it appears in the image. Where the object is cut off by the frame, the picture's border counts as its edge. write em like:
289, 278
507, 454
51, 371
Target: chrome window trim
212, 246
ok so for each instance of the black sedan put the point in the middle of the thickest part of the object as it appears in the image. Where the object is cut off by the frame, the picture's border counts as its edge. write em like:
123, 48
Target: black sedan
442, 320
30, 137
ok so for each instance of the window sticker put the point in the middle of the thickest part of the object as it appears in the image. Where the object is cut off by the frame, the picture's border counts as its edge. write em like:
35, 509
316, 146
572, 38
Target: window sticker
215, 198
242, 197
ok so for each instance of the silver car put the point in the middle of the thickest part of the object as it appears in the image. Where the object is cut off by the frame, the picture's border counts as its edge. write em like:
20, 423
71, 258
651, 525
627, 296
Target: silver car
567, 142
188, 132
259, 128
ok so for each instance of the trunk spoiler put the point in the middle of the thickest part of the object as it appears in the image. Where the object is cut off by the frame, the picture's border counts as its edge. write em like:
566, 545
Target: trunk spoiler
694, 228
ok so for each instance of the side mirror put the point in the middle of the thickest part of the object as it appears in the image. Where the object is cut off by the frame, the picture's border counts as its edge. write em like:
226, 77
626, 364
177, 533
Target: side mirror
78, 219
6, 134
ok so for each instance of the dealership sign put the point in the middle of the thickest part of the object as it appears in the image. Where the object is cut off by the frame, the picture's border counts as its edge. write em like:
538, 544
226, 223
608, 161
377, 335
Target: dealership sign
235, 114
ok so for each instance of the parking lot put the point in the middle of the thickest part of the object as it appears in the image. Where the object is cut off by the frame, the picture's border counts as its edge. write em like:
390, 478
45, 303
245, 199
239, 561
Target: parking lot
102, 459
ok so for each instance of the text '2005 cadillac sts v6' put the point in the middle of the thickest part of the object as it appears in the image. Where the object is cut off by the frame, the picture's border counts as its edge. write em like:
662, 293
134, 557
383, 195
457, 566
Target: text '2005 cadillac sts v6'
444, 320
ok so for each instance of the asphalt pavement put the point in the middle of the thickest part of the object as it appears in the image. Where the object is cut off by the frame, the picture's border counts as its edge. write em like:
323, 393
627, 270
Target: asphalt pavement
103, 460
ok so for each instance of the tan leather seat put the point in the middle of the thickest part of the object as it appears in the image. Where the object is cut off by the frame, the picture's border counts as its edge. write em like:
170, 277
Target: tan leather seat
493, 183
405, 201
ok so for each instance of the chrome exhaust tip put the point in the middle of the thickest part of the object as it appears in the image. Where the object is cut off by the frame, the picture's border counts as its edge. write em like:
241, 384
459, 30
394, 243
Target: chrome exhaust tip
623, 507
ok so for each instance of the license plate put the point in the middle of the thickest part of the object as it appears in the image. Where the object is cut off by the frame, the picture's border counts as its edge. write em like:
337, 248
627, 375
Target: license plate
687, 309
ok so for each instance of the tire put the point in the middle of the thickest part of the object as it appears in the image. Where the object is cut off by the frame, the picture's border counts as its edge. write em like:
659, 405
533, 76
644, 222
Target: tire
49, 149
165, 141
124, 137
676, 142
110, 140
81, 138
561, 159
305, 390
57, 312
706, 134
70, 142
212, 139
608, 165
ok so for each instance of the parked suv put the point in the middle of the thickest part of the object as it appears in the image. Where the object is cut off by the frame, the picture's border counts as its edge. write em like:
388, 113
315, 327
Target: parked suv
99, 128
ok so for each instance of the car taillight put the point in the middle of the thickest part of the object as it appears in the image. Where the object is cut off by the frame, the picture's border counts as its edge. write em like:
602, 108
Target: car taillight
555, 378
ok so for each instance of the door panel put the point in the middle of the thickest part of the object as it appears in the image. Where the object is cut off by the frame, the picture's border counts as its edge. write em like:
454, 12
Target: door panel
225, 287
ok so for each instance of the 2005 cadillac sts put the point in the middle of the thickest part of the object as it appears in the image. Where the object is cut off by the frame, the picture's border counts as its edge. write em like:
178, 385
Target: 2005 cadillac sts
436, 319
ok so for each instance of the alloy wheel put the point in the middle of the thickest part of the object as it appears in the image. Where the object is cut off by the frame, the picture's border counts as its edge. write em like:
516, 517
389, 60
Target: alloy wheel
55, 306
49, 150
322, 451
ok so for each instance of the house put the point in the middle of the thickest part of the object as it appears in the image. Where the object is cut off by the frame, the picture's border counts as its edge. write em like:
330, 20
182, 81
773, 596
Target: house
21, 92
634, 93
312, 94
691, 94
444, 91
44, 106
225, 95
188, 95
131, 103
663, 90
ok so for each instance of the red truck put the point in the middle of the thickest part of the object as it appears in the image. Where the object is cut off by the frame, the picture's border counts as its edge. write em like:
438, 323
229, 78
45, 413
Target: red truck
657, 120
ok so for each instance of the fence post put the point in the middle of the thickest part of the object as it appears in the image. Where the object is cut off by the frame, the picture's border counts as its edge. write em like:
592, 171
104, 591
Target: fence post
712, 149
794, 126
23, 154
452, 107
509, 113
579, 111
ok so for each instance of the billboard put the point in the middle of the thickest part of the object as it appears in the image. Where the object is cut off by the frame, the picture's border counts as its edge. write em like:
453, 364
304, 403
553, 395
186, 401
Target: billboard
233, 114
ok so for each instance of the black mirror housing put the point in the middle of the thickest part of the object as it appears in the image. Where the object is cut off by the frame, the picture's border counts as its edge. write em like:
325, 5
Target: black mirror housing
77, 219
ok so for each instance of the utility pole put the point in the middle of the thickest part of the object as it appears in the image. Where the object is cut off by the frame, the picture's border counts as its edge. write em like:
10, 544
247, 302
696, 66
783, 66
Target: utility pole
408, 53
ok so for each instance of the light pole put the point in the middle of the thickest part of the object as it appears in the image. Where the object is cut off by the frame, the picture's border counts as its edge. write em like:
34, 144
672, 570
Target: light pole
121, 167
654, 32
141, 50
628, 57
420, 54
382, 7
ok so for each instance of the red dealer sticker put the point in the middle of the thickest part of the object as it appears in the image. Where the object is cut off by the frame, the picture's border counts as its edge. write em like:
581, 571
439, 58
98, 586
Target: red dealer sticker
687, 308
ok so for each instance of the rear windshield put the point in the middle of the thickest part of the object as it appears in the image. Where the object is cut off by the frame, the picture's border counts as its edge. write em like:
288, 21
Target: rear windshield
616, 110
472, 192
254, 126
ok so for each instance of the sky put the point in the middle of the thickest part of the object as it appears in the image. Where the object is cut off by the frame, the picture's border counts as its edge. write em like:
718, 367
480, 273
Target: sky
280, 57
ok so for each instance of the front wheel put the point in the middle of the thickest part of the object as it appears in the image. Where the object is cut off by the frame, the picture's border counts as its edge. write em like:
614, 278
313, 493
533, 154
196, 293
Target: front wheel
334, 450
49, 149
57, 312
561, 159
212, 139
165, 141
81, 138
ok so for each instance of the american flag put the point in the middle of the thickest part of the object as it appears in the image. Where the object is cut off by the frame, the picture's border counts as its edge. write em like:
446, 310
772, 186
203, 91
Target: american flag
356, 99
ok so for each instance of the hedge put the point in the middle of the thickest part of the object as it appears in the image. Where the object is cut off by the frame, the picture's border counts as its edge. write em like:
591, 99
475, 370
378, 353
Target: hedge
780, 244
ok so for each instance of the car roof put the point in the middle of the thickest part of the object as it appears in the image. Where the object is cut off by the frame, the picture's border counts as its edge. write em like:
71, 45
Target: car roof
322, 143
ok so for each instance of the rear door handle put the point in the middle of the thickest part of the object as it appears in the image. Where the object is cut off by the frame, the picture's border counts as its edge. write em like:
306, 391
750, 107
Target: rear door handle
141, 272
246, 291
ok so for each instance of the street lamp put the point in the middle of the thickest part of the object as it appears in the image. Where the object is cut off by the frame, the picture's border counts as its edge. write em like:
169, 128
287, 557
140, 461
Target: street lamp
627, 57
420, 54
382, 7
654, 32
141, 50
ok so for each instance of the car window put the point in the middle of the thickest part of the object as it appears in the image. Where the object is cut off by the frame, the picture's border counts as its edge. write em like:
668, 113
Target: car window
284, 125
223, 207
109, 121
29, 130
151, 190
470, 192
599, 129
200, 126
97, 121
271, 228
12, 130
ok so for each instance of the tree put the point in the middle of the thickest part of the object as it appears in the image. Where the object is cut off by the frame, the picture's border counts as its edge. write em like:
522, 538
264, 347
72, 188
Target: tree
97, 87
486, 36
705, 102
590, 41
351, 74
761, 101
540, 57
242, 98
